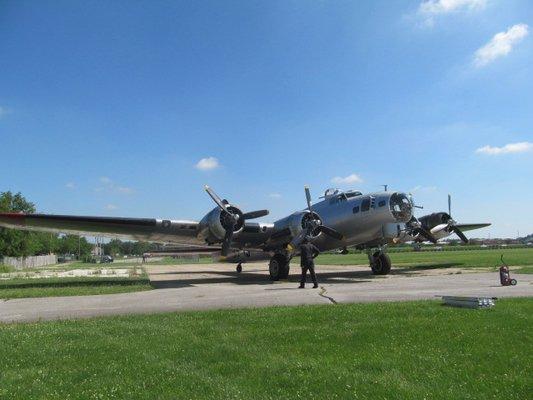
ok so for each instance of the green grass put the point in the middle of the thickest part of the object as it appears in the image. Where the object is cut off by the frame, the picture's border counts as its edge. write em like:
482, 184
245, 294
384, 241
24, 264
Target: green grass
6, 268
411, 350
75, 286
524, 270
464, 259
174, 261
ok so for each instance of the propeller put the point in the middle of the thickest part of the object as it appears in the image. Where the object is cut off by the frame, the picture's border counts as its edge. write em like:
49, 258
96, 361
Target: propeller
312, 223
452, 225
417, 229
231, 217
414, 227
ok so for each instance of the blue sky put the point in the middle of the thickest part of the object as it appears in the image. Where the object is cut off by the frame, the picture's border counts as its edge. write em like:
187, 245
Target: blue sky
107, 108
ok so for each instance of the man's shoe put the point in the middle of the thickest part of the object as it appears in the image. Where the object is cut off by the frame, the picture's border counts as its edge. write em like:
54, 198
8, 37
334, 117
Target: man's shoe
301, 287
315, 285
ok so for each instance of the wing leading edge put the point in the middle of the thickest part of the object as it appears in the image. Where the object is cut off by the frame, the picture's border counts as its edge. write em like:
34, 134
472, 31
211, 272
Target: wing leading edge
145, 229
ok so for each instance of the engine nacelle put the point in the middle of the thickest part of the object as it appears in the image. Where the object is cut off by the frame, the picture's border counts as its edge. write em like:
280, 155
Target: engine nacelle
296, 223
432, 220
212, 228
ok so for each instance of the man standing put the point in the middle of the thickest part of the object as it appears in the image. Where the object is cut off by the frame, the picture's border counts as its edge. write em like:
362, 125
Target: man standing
308, 251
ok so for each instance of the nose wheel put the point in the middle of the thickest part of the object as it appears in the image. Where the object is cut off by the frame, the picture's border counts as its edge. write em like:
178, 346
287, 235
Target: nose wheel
239, 268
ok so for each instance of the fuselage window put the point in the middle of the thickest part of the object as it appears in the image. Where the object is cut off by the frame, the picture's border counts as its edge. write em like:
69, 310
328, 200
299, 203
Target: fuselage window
356, 209
381, 203
365, 205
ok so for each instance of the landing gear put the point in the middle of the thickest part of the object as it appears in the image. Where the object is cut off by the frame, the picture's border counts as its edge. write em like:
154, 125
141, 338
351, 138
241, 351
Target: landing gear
279, 267
379, 262
239, 268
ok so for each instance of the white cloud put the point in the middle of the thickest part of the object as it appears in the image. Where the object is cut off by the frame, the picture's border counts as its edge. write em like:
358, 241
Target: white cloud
435, 7
274, 196
520, 147
124, 189
70, 185
347, 180
110, 186
500, 45
207, 164
111, 207
428, 9
421, 188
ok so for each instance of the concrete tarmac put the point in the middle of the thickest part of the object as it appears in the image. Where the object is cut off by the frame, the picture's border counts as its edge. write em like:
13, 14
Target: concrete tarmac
218, 286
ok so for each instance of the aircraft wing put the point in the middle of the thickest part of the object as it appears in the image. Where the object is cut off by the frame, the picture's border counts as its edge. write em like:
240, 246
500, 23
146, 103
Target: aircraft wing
144, 229
470, 227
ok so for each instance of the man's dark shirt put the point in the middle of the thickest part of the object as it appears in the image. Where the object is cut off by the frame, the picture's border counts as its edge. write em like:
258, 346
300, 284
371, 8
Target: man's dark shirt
308, 251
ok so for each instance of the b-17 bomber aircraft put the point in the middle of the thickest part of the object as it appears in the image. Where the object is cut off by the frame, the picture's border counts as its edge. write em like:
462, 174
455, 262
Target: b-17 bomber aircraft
343, 218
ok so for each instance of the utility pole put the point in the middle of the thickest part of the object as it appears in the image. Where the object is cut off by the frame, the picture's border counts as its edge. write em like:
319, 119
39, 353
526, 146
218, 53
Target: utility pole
79, 248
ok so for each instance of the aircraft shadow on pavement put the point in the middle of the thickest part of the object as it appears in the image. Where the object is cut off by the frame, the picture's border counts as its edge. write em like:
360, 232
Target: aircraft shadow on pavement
252, 277
422, 267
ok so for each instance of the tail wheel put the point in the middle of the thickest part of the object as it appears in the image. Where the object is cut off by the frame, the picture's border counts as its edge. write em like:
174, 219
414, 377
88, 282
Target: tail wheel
381, 264
513, 282
278, 267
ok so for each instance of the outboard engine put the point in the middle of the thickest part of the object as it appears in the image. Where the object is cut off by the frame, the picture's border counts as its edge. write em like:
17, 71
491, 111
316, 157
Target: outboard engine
216, 223
432, 220
219, 225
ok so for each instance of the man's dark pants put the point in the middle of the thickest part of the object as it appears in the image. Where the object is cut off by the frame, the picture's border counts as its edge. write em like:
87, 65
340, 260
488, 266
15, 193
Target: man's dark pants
311, 269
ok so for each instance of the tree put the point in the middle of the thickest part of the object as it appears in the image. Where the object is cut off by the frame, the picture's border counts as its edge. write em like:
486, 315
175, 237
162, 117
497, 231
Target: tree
19, 243
114, 247
70, 244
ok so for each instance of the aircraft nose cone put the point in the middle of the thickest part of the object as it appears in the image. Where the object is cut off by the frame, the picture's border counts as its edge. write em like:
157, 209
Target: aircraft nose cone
401, 207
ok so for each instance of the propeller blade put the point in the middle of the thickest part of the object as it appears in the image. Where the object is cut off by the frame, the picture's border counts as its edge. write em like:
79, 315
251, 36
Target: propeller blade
215, 198
449, 205
308, 198
426, 234
330, 232
255, 214
226, 244
459, 233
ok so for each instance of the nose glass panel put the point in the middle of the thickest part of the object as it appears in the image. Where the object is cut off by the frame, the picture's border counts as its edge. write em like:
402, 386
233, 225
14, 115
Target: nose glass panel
401, 207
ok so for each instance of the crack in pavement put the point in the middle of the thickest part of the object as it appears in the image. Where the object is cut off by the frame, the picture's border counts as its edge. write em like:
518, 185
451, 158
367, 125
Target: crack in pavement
323, 292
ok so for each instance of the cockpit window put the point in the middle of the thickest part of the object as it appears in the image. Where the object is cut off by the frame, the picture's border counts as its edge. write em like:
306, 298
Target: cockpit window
401, 207
352, 194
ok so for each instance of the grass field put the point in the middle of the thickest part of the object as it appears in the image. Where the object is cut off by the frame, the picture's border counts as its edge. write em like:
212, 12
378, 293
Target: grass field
5, 268
47, 287
459, 258
411, 350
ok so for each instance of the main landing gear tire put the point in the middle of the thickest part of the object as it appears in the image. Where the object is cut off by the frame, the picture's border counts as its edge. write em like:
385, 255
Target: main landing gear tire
278, 267
239, 268
381, 263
